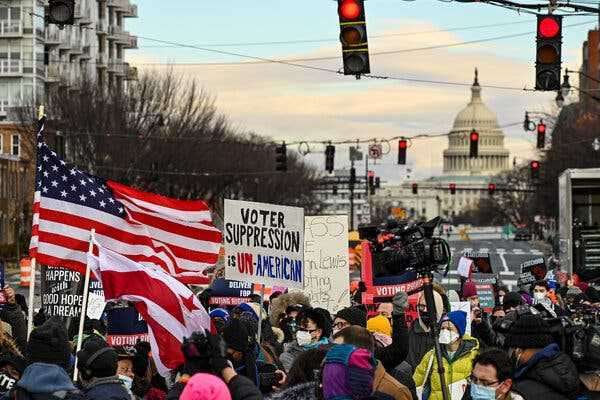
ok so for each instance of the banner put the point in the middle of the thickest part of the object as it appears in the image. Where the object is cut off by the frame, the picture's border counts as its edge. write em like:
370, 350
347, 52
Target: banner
264, 243
532, 271
229, 293
125, 327
326, 278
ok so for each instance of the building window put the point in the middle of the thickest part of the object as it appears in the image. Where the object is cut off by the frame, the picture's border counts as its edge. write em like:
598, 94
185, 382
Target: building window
16, 146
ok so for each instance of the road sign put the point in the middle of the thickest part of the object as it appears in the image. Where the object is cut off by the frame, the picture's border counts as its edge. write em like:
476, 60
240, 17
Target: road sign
375, 151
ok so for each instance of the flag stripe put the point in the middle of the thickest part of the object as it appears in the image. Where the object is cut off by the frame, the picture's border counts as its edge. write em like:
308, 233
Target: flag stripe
169, 348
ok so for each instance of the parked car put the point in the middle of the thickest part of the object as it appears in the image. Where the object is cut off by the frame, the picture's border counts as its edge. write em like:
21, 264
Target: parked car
522, 234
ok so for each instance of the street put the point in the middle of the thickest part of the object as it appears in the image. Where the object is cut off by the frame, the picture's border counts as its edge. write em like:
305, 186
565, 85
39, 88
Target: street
506, 257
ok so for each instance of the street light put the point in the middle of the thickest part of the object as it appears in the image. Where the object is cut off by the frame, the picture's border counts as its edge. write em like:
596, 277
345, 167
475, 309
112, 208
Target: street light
565, 88
560, 100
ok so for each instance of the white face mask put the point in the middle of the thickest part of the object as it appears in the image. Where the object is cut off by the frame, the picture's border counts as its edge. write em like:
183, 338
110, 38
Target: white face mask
303, 338
127, 381
447, 336
501, 300
539, 296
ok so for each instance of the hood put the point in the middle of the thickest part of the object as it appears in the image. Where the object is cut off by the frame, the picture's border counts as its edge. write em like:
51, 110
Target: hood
303, 391
552, 368
45, 378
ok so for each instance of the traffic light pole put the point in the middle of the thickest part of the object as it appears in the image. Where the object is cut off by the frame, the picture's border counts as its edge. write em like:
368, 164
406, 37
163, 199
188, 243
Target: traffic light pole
352, 197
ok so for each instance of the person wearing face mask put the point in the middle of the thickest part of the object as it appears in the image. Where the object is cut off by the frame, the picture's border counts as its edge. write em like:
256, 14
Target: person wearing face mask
314, 329
540, 292
481, 324
542, 371
458, 353
491, 377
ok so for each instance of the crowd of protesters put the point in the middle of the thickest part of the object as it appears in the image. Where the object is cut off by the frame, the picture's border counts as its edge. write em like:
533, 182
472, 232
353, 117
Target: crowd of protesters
286, 349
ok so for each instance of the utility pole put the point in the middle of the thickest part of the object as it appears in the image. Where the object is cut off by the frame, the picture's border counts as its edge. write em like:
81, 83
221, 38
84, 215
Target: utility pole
352, 182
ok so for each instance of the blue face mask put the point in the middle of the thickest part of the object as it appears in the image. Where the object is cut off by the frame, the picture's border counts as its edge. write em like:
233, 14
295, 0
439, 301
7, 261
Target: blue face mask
479, 392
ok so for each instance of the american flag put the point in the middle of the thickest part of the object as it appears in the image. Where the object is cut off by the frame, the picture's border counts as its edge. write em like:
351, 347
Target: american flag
176, 235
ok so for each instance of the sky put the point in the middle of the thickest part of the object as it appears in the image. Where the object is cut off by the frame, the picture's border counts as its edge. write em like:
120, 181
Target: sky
299, 104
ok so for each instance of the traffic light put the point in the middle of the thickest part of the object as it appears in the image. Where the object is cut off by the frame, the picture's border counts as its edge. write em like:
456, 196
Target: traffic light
352, 177
474, 139
491, 189
353, 35
61, 12
548, 56
415, 188
329, 158
452, 188
371, 180
534, 166
377, 183
281, 157
541, 135
402, 146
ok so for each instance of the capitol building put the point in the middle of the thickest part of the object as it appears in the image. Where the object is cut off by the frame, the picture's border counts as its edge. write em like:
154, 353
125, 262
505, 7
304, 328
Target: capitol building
470, 175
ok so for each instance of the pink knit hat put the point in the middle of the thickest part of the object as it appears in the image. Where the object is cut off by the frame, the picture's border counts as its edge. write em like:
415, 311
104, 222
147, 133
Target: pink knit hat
205, 387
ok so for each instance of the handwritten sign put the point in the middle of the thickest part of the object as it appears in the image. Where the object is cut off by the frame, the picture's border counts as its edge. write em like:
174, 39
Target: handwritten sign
95, 305
264, 243
326, 260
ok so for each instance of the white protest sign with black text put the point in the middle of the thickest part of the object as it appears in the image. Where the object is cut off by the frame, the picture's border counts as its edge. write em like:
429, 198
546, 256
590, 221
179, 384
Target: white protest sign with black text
264, 243
326, 261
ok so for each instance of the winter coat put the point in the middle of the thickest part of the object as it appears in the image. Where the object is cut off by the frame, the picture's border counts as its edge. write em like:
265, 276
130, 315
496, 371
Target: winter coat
548, 375
13, 315
41, 379
419, 343
293, 350
385, 383
456, 368
303, 391
109, 388
510, 396
392, 355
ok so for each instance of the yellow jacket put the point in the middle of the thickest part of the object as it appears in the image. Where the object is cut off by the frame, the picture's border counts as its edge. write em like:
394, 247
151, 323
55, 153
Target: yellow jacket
457, 370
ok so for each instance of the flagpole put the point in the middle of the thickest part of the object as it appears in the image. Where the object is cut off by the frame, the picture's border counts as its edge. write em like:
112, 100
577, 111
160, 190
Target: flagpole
31, 298
260, 313
86, 289
33, 265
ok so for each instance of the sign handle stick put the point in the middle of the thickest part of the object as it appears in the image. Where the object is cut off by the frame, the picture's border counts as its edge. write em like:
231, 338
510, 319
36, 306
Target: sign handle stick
31, 298
260, 312
86, 289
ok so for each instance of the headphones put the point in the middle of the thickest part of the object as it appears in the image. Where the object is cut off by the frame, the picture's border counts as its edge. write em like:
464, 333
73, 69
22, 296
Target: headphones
86, 371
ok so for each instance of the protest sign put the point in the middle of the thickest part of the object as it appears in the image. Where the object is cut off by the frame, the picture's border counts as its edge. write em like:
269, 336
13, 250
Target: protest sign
465, 266
485, 284
466, 307
411, 314
481, 262
264, 243
229, 293
95, 306
125, 327
326, 279
532, 271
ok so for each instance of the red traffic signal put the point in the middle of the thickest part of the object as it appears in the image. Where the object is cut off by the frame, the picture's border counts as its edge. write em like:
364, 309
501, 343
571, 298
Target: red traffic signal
541, 135
548, 53
350, 10
474, 149
534, 166
353, 36
548, 27
402, 147
452, 188
541, 128
415, 188
491, 189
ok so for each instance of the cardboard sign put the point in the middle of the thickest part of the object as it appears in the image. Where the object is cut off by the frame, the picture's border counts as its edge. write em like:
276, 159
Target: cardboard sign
481, 262
95, 305
229, 293
466, 307
264, 243
484, 279
532, 271
465, 266
326, 262
125, 327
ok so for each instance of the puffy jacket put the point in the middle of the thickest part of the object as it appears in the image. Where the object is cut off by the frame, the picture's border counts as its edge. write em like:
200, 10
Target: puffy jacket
456, 369
392, 355
44, 380
386, 384
109, 388
548, 375
419, 343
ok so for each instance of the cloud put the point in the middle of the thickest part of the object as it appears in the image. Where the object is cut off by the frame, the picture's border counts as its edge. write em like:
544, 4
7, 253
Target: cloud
288, 103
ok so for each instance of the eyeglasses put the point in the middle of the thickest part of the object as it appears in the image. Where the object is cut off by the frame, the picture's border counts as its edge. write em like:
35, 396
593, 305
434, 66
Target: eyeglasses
477, 381
341, 325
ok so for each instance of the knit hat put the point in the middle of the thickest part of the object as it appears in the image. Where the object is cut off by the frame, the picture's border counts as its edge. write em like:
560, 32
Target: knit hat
48, 344
469, 290
354, 316
103, 364
219, 313
236, 336
459, 320
380, 324
205, 387
253, 308
512, 300
529, 332
16, 361
348, 373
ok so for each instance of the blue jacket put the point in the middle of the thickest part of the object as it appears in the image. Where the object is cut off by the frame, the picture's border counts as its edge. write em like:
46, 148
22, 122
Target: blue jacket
41, 378
109, 388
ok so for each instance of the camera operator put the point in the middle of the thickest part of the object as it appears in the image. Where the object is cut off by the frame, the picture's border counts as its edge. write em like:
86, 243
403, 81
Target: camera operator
205, 353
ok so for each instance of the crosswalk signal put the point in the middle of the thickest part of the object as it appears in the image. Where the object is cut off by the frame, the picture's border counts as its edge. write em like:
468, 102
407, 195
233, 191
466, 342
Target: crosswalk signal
402, 146
452, 188
61, 12
281, 158
491, 189
329, 158
415, 188
353, 35
541, 135
474, 149
534, 166
548, 56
